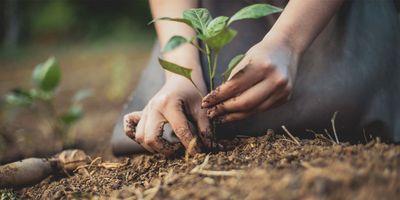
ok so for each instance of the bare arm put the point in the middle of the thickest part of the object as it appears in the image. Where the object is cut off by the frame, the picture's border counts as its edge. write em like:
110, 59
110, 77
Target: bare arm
178, 99
269, 68
186, 55
302, 21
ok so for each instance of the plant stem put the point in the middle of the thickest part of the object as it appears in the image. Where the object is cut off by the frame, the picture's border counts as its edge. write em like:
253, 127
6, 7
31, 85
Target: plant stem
212, 65
214, 68
208, 52
198, 90
54, 120
198, 47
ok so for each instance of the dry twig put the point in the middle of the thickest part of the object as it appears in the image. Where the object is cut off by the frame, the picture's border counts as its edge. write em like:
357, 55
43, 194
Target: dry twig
333, 126
290, 135
199, 169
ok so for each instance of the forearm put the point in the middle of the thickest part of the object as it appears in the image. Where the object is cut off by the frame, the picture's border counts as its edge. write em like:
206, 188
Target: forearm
186, 55
302, 21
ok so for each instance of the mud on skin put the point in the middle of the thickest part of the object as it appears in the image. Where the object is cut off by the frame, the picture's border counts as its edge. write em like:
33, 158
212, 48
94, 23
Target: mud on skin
132, 127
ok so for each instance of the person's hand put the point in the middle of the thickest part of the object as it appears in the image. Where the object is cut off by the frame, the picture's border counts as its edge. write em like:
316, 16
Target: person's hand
175, 101
262, 80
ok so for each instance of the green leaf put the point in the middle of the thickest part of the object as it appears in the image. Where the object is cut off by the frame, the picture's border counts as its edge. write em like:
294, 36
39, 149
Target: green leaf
199, 18
216, 26
73, 115
174, 42
223, 38
232, 64
47, 75
254, 11
81, 94
177, 69
19, 97
181, 20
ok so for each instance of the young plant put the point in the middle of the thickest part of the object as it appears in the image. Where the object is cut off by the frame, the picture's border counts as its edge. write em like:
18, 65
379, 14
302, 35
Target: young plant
213, 34
46, 77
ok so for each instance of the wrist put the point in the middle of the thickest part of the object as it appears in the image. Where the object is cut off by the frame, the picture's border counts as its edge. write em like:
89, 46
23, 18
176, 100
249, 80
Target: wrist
183, 82
284, 40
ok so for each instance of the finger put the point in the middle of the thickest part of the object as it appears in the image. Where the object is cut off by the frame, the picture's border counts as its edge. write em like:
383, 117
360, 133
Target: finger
247, 100
274, 100
154, 132
174, 114
233, 117
279, 98
204, 128
131, 120
140, 131
241, 81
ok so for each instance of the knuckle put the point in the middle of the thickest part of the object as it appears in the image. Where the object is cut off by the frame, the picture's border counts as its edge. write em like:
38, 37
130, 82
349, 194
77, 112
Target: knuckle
267, 67
281, 81
140, 139
150, 141
160, 101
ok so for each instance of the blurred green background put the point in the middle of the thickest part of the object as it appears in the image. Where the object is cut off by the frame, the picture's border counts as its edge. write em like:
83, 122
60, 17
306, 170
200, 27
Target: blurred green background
62, 22
102, 45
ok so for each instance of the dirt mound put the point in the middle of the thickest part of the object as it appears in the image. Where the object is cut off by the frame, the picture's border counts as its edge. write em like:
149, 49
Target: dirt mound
268, 167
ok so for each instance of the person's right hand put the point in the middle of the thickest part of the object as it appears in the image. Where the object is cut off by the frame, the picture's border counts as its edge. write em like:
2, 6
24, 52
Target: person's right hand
176, 100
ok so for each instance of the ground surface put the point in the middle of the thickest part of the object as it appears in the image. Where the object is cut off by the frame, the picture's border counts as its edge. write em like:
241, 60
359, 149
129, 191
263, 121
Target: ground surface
268, 167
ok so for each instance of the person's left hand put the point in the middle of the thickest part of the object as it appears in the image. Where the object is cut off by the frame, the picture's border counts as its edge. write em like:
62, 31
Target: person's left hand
262, 80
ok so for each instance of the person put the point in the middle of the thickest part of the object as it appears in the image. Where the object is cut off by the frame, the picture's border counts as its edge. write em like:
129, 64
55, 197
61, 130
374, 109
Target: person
301, 66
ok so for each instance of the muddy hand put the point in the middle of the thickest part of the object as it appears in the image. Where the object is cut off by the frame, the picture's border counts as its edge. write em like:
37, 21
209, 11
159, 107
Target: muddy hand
173, 104
262, 80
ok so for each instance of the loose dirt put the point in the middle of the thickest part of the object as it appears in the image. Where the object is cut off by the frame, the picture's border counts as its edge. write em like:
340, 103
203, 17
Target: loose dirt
267, 167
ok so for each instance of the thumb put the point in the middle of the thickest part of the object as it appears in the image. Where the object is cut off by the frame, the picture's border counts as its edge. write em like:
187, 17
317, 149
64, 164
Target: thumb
131, 120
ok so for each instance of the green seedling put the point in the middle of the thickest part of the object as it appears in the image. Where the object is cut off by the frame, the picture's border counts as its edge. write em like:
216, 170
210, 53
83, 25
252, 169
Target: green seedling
46, 78
213, 35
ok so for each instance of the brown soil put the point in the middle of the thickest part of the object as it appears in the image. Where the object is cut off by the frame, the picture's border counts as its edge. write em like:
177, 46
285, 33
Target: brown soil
267, 167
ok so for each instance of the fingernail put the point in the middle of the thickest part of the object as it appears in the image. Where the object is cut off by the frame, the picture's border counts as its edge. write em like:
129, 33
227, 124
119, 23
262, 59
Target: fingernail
204, 104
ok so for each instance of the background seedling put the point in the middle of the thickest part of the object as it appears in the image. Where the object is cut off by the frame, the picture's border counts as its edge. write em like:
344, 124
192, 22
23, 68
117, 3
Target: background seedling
46, 78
